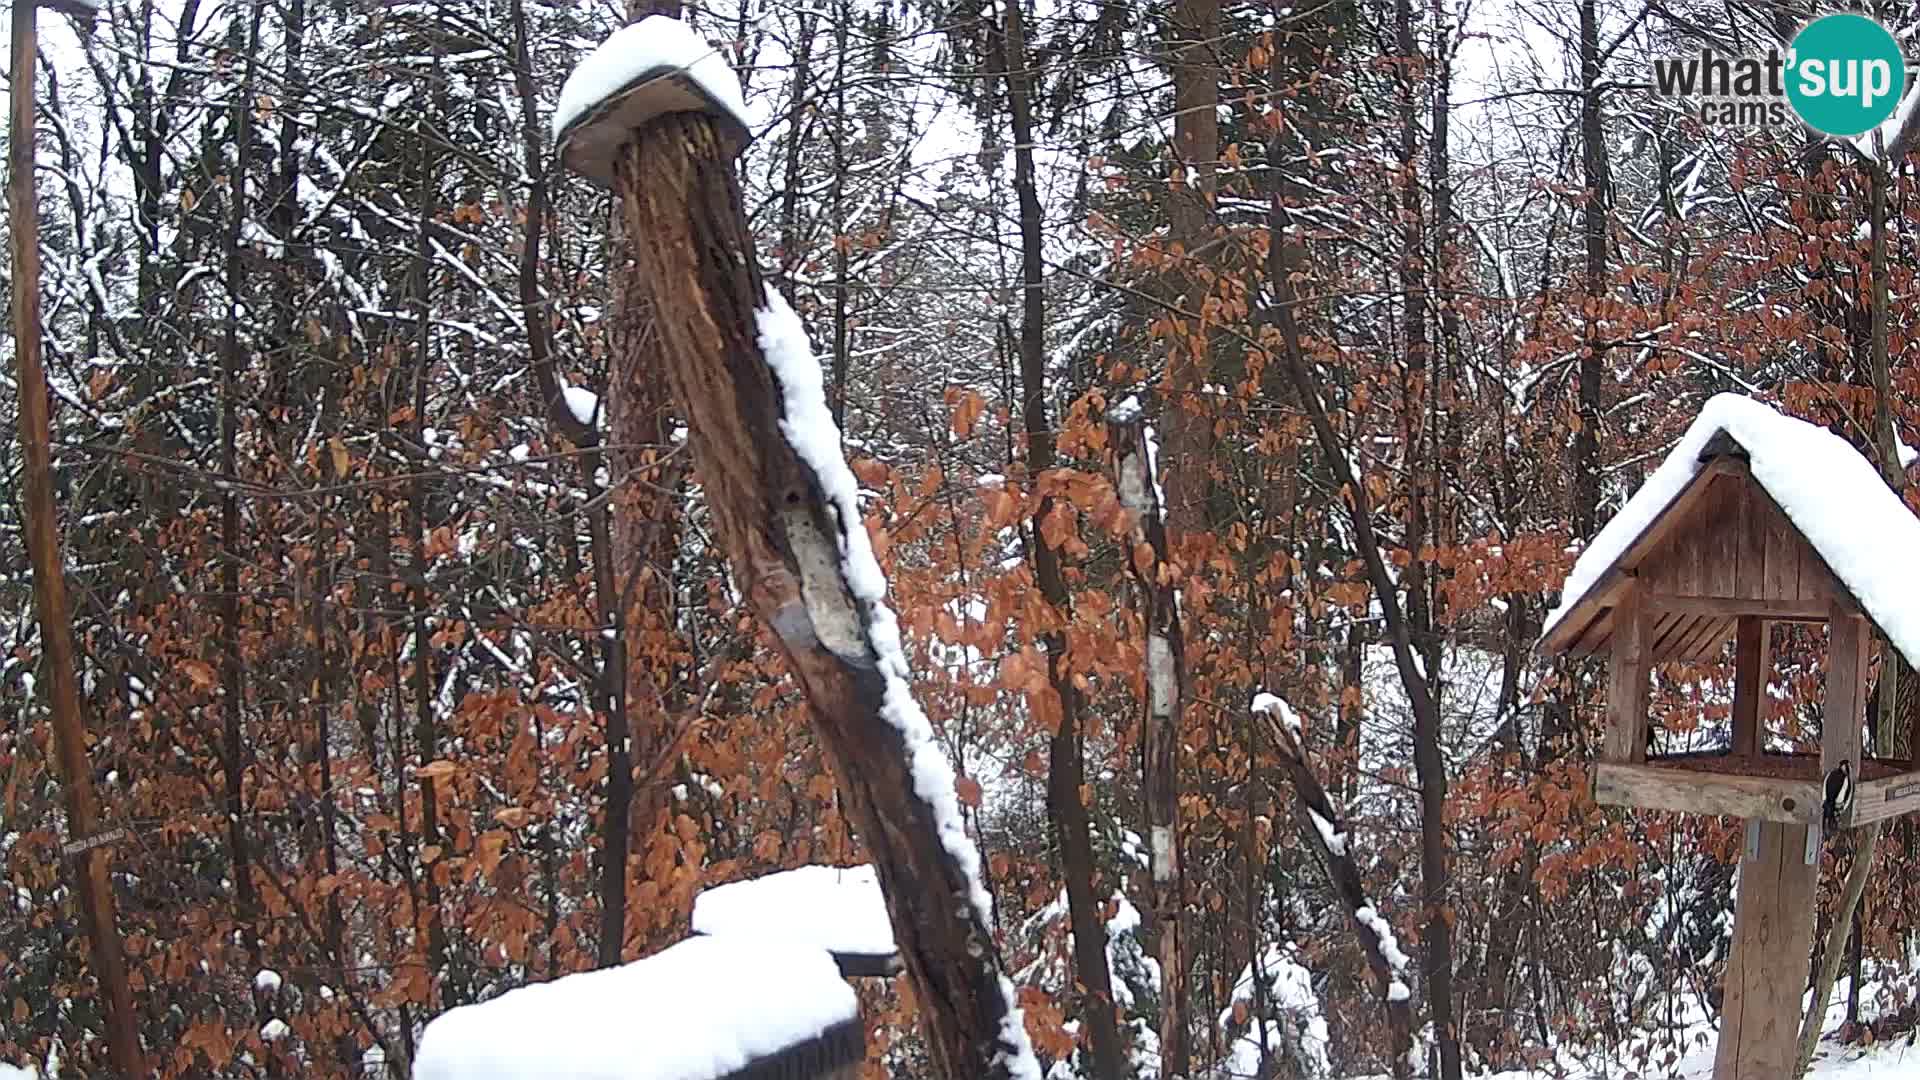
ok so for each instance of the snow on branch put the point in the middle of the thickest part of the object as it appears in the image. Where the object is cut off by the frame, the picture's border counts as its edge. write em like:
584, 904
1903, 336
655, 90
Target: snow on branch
809, 428
1320, 822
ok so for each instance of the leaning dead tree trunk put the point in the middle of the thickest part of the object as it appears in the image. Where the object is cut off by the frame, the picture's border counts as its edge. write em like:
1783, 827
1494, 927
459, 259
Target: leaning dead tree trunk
783, 506
1152, 569
1319, 823
87, 847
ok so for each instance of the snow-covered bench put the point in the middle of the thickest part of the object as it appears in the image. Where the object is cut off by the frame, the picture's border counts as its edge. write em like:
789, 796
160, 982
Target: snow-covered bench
836, 908
710, 1008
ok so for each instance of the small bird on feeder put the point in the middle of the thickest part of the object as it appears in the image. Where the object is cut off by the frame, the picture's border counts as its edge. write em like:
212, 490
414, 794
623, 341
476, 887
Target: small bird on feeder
1839, 795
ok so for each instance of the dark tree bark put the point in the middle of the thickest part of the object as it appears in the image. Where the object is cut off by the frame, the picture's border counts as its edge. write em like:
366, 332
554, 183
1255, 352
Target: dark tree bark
1066, 767
682, 208
1593, 219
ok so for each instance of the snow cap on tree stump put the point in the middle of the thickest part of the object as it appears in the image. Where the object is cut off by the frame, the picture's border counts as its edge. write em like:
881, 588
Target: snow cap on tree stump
709, 1008
650, 69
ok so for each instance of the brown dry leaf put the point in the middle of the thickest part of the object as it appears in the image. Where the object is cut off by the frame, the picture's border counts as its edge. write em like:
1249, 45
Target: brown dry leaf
434, 770
200, 672
513, 817
968, 789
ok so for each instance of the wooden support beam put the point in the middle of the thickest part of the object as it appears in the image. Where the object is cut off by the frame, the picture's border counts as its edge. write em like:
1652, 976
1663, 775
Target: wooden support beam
1780, 610
1891, 797
1629, 672
1654, 787
1767, 972
1753, 666
1845, 709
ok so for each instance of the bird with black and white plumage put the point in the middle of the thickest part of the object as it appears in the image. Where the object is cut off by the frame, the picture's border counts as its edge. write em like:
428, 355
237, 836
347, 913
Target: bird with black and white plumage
1839, 796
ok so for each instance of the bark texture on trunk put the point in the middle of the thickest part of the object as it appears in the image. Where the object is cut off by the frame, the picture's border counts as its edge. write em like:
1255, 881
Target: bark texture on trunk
1066, 767
682, 208
1151, 567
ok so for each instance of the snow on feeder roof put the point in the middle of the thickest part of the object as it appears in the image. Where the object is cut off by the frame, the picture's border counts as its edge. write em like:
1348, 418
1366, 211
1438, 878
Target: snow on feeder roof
836, 908
1864, 536
1754, 518
643, 71
708, 1008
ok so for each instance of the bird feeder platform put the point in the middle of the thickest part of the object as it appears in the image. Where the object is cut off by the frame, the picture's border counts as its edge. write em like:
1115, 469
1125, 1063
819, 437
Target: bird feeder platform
592, 143
1753, 519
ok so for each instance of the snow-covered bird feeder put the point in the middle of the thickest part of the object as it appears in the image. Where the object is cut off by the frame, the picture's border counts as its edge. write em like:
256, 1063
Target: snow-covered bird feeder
836, 908
650, 69
709, 1008
1754, 518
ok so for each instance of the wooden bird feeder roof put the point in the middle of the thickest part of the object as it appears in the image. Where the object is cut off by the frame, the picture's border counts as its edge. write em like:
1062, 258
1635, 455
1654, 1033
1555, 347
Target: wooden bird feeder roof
1754, 518
1753, 513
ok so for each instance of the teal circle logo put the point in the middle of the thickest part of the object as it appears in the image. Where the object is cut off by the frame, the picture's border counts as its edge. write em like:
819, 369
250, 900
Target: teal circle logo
1845, 74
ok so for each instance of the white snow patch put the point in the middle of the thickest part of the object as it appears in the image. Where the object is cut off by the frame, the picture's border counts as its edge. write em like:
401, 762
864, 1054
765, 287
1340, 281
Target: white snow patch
1264, 702
1389, 945
630, 52
17, 1072
1127, 411
267, 981
698, 1010
1335, 840
584, 404
836, 908
809, 428
275, 1029
1830, 493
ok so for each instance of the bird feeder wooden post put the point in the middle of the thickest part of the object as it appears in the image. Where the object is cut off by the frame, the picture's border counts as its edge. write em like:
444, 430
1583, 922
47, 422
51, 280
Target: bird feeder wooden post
666, 145
1707, 551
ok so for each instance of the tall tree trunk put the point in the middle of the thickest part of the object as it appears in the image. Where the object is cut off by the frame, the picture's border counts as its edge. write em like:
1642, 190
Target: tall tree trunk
1066, 776
1160, 742
1192, 46
92, 877
784, 535
233, 704
426, 727
1593, 160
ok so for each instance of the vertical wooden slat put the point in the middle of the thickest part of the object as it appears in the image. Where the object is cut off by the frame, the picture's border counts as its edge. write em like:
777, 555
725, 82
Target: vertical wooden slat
1783, 556
1753, 664
1725, 535
1628, 670
1752, 567
1846, 683
1766, 973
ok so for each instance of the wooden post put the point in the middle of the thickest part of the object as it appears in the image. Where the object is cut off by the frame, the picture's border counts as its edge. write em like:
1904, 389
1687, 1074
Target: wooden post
1628, 674
95, 884
681, 204
1840, 719
1753, 667
1767, 973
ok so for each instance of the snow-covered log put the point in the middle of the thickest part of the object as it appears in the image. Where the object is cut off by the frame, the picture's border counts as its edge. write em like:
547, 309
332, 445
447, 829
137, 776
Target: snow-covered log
784, 507
1320, 824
